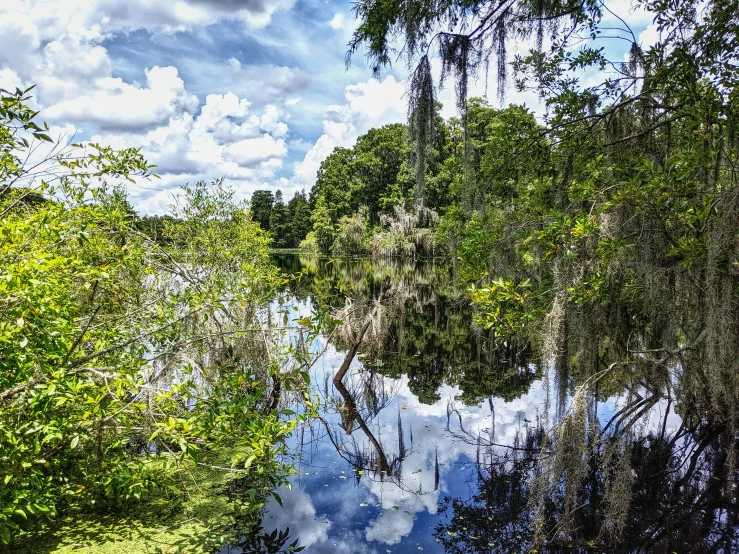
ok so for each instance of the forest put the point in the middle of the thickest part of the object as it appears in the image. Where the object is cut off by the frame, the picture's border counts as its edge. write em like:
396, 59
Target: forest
152, 370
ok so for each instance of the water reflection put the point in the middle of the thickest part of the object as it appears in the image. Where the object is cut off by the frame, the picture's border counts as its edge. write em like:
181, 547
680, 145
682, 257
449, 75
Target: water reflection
438, 438
426, 331
678, 505
373, 397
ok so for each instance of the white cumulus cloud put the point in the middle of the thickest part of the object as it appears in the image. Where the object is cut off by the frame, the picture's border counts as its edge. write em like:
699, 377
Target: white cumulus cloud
62, 47
114, 104
222, 140
369, 104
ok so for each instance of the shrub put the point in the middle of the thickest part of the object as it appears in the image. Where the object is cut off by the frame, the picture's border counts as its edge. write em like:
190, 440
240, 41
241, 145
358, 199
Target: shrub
351, 236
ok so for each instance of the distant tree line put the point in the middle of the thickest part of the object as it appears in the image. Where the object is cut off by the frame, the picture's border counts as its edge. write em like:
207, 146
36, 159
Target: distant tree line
372, 177
370, 197
287, 223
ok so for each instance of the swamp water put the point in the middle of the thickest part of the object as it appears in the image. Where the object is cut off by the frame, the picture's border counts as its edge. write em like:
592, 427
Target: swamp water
430, 441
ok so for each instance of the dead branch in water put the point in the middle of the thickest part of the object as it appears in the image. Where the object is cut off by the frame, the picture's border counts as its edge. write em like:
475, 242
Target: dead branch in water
386, 294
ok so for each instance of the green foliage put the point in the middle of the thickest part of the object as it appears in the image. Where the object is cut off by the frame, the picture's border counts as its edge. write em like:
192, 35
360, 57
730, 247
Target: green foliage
279, 223
375, 173
300, 223
15, 135
288, 224
323, 228
506, 308
351, 235
333, 183
157, 227
125, 358
310, 243
375, 166
261, 207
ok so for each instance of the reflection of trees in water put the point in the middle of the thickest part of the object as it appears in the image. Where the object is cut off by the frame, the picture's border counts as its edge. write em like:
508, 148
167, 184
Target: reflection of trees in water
496, 518
379, 457
358, 398
365, 323
329, 282
370, 458
612, 482
425, 331
681, 499
434, 343
596, 469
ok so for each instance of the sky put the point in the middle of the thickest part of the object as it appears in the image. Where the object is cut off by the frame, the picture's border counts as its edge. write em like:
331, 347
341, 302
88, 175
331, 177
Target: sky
255, 91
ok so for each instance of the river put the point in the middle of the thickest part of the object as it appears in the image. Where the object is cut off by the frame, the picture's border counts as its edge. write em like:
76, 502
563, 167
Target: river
430, 441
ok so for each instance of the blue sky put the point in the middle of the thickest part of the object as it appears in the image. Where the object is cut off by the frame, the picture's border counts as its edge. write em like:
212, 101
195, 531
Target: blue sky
255, 91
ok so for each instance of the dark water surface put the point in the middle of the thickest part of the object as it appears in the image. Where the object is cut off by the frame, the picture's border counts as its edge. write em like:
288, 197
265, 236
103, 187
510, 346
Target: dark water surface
430, 442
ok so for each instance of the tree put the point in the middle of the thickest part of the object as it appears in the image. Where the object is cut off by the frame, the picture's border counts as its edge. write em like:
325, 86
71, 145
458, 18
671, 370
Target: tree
467, 36
323, 228
699, 40
300, 223
261, 207
373, 173
378, 157
333, 183
433, 191
279, 223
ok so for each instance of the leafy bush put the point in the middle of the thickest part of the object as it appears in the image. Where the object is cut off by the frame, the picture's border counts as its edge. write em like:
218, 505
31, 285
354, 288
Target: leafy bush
351, 235
125, 359
310, 243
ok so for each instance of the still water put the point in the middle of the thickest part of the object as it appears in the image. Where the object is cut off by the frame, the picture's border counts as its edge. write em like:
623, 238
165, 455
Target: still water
431, 440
